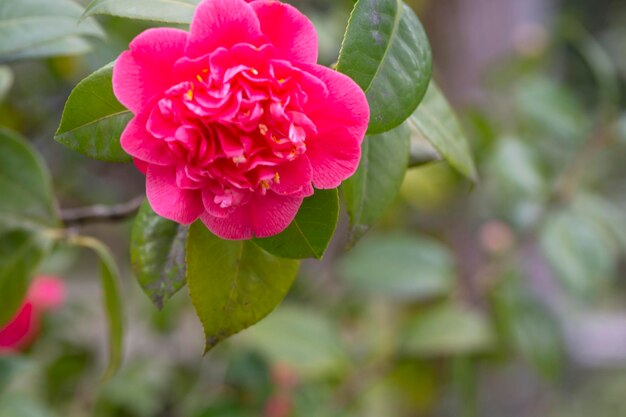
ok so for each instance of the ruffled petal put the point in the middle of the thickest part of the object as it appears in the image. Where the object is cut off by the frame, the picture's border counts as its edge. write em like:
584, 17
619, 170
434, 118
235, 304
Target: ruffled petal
341, 119
291, 32
222, 23
263, 216
139, 143
169, 201
146, 69
294, 178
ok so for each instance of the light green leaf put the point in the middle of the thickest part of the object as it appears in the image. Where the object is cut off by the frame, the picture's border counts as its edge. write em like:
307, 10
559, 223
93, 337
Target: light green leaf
303, 339
436, 122
386, 51
28, 24
109, 277
401, 266
233, 284
93, 120
447, 330
20, 255
166, 11
25, 186
310, 233
68, 46
6, 81
157, 251
374, 186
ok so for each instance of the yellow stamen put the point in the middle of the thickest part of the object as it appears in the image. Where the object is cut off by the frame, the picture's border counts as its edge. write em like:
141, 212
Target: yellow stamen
189, 94
265, 185
205, 71
199, 78
274, 138
282, 81
263, 129
254, 71
277, 178
239, 159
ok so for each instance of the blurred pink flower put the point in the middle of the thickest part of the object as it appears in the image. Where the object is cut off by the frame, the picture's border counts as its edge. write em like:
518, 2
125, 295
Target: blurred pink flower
44, 294
234, 120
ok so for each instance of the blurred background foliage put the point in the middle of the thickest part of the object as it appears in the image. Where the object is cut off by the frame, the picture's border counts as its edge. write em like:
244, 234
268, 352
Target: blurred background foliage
503, 298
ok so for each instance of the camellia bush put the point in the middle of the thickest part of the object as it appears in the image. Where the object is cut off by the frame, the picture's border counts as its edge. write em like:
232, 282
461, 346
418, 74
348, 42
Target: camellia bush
249, 147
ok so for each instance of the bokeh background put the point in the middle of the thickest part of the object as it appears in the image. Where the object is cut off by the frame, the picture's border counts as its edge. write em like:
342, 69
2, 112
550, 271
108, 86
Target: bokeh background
504, 298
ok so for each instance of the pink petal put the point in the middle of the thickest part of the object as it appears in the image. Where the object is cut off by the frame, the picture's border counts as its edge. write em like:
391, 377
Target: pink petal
137, 142
294, 178
47, 293
20, 331
291, 32
263, 216
146, 70
169, 201
222, 23
341, 119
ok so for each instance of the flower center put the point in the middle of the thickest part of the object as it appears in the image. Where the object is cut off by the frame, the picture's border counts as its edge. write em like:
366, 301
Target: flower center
233, 127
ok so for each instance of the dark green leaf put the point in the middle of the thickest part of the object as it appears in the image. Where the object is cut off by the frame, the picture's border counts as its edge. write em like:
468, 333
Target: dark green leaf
374, 186
157, 251
310, 233
305, 340
435, 121
447, 330
166, 11
401, 266
28, 24
26, 192
20, 255
109, 276
386, 51
93, 120
233, 284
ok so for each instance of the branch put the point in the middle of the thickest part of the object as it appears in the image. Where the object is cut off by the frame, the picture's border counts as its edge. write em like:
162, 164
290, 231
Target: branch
101, 213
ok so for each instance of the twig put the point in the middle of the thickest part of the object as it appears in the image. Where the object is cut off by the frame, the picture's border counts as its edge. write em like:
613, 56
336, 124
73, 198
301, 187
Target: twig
101, 213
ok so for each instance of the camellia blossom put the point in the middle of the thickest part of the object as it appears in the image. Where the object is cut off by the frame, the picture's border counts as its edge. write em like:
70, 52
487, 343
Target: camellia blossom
234, 121
44, 294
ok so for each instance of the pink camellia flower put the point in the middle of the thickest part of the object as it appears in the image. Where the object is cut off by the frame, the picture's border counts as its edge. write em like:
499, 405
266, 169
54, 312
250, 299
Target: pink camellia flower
234, 120
45, 293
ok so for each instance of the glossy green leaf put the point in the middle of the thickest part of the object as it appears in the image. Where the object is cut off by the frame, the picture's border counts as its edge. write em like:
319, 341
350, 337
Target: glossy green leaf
20, 255
436, 122
401, 266
447, 330
28, 24
93, 120
233, 284
157, 249
528, 327
374, 186
303, 339
310, 233
25, 186
386, 51
6, 81
166, 11
112, 299
68, 46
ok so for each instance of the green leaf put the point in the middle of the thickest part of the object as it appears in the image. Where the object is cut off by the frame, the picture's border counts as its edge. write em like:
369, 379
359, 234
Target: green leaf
157, 251
528, 327
581, 253
71, 45
25, 186
436, 122
303, 339
6, 81
447, 330
233, 284
93, 120
374, 186
20, 255
310, 233
386, 51
28, 24
166, 11
401, 266
109, 278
